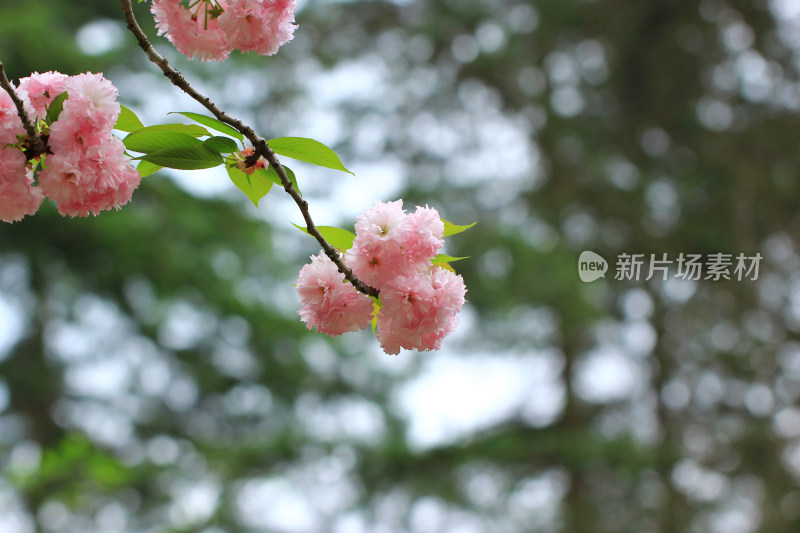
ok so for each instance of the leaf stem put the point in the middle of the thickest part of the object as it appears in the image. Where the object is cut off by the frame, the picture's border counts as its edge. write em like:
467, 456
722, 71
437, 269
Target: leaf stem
260, 146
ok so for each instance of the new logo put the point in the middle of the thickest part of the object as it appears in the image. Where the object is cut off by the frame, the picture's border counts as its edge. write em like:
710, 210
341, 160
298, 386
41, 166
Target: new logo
591, 266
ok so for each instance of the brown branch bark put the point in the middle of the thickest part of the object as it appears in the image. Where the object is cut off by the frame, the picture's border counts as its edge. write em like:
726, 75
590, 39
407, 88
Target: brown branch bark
260, 146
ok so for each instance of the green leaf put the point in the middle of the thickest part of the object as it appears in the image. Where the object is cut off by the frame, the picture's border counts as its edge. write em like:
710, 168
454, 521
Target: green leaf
255, 186
185, 157
307, 150
212, 123
273, 175
442, 258
147, 140
189, 129
292, 178
55, 107
127, 121
452, 229
223, 145
147, 168
339, 238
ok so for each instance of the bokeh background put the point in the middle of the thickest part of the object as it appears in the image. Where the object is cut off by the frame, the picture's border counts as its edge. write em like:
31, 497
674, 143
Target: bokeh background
154, 375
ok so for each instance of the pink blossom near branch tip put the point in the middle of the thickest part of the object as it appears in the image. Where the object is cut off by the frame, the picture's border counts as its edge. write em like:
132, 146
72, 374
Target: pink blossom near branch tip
418, 312
193, 36
41, 89
392, 251
328, 302
10, 123
260, 26
18, 198
83, 169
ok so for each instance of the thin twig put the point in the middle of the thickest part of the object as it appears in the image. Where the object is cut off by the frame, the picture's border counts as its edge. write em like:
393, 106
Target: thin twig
260, 146
34, 140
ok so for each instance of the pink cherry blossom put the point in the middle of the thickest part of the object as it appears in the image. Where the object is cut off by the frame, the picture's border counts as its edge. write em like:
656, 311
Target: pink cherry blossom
84, 169
423, 237
72, 133
194, 36
10, 123
17, 197
260, 26
384, 221
392, 252
418, 312
328, 302
41, 89
390, 243
91, 181
92, 100
377, 255
376, 262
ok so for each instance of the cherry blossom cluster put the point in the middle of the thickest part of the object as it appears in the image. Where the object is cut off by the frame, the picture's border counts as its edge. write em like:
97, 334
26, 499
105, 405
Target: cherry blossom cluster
392, 251
83, 168
210, 29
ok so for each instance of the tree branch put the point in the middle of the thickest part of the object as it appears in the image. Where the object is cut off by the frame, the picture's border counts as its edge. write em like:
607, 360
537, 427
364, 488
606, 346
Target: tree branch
260, 146
34, 140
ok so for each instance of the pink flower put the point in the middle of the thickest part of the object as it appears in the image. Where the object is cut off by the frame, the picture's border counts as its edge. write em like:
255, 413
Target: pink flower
10, 123
377, 255
17, 197
194, 36
92, 100
260, 26
392, 252
89, 182
376, 262
71, 133
384, 221
418, 312
41, 89
328, 302
390, 243
424, 236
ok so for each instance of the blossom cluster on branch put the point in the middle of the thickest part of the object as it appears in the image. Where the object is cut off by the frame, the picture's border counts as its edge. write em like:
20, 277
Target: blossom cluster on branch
56, 140
395, 253
82, 167
211, 29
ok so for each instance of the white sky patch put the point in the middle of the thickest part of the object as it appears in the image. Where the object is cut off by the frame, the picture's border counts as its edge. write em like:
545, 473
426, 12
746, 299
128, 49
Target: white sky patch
786, 9
11, 326
607, 374
100, 36
362, 80
276, 504
101, 379
350, 418
454, 396
203, 183
194, 501
501, 148
13, 518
